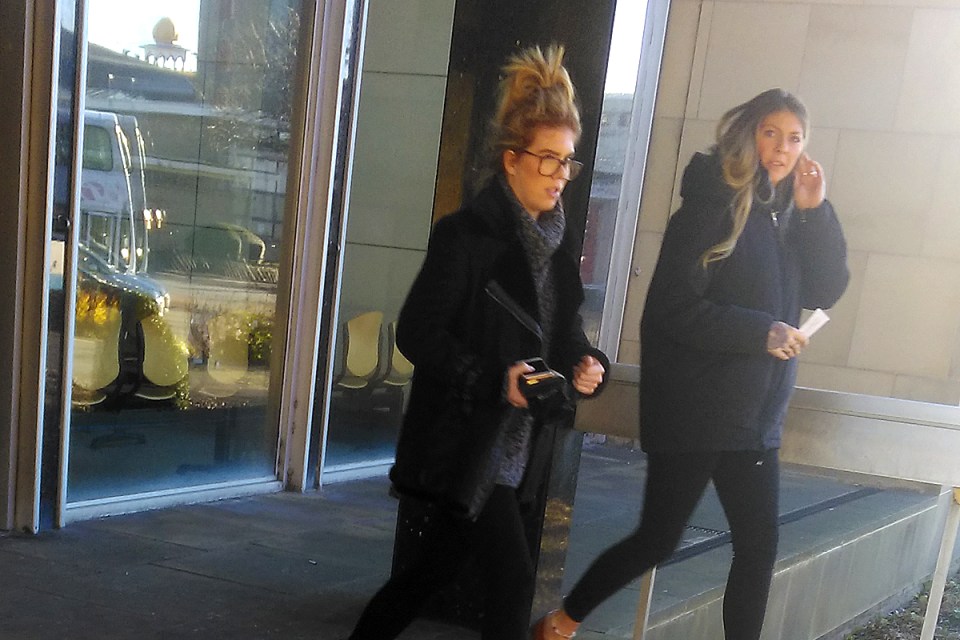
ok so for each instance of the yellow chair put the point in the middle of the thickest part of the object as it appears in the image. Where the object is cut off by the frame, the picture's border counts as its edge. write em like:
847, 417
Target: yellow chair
96, 360
164, 360
399, 369
228, 359
362, 342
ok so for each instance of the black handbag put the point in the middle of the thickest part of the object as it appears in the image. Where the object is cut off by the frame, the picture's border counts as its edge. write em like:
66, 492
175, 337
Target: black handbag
465, 455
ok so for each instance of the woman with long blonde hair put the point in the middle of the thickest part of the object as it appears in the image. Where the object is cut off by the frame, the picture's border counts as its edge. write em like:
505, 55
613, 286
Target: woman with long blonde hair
753, 242
497, 290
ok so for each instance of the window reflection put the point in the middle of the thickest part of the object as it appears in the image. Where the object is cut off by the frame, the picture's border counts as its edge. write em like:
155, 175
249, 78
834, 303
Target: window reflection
392, 176
613, 145
187, 139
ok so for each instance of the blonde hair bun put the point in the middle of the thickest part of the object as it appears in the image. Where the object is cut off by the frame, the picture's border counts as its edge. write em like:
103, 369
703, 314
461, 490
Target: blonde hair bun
536, 91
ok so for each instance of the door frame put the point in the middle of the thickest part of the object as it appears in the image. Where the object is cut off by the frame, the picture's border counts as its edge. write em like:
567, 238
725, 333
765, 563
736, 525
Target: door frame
307, 359
17, 25
37, 113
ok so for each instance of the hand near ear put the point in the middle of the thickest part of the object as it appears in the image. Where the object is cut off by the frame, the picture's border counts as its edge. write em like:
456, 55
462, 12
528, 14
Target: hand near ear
809, 183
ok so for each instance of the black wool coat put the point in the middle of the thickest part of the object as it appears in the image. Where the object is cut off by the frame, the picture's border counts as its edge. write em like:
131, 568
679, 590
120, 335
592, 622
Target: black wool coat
707, 382
471, 313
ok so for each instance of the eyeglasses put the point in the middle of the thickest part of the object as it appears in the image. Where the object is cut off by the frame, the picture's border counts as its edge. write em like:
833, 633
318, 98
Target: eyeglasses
550, 165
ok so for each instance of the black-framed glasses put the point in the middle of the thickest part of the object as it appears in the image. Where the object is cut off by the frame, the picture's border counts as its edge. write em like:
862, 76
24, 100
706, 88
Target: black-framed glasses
550, 165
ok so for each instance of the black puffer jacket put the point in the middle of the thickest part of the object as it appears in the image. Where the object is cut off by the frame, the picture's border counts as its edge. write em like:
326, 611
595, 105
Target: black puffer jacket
457, 329
707, 382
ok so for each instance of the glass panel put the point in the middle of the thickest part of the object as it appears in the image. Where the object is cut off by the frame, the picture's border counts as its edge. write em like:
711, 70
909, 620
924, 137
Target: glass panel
612, 147
392, 173
187, 140
895, 332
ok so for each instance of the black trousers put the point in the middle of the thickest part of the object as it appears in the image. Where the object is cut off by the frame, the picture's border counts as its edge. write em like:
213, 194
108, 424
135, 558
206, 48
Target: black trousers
496, 540
748, 485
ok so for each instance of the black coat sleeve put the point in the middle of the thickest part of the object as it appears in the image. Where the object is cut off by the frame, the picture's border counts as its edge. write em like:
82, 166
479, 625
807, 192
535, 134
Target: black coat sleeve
436, 299
677, 305
575, 347
823, 257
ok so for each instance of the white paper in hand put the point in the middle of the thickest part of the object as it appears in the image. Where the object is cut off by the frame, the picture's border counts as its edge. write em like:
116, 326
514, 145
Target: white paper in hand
812, 324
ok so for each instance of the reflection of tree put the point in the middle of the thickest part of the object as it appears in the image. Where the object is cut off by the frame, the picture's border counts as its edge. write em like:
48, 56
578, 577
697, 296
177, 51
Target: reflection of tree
251, 66
212, 324
94, 310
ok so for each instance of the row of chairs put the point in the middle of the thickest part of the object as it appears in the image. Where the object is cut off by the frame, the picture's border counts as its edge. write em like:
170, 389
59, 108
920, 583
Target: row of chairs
364, 370
128, 357
162, 362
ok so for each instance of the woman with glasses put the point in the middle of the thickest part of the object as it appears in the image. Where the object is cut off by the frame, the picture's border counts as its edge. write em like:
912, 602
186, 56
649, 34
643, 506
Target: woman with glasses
753, 242
498, 288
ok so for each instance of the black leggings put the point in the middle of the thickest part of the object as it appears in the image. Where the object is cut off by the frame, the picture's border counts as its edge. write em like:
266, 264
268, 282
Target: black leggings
496, 540
748, 485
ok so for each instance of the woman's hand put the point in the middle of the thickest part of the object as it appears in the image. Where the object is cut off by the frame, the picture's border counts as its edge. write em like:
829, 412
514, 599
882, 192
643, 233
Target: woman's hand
784, 341
587, 375
514, 372
809, 183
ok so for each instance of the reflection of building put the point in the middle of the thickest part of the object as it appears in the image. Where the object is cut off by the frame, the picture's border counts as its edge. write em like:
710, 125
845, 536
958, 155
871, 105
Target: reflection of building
236, 104
163, 52
607, 177
246, 57
606, 181
117, 76
218, 147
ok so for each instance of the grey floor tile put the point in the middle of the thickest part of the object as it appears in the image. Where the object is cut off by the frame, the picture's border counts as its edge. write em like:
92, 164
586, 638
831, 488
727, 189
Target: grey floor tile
304, 565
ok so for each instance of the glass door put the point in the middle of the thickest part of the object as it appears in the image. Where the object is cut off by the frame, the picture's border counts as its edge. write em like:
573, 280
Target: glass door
390, 173
178, 227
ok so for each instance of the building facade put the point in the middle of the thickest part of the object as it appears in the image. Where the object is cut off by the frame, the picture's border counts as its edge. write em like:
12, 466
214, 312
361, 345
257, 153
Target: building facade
204, 252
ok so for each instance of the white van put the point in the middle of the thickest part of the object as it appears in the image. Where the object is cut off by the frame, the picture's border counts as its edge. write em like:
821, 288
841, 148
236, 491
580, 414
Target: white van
127, 349
112, 194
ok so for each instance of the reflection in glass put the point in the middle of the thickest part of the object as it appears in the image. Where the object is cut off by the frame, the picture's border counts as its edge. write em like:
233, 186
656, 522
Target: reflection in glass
613, 142
391, 174
187, 137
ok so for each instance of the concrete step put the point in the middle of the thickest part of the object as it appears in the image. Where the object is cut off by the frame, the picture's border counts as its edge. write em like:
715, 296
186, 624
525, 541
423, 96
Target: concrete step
846, 549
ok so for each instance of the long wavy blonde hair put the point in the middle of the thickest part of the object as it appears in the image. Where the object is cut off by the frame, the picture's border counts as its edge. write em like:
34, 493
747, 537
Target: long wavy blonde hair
737, 148
536, 91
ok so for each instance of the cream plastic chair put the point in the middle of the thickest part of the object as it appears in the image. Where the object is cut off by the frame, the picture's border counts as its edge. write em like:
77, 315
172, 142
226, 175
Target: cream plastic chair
399, 370
228, 359
164, 360
361, 359
96, 360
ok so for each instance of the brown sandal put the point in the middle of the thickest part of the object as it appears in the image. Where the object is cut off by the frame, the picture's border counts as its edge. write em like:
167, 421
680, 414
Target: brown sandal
556, 625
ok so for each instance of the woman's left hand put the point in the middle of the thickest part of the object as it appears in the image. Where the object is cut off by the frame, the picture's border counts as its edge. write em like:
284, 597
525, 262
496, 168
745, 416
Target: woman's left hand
587, 375
514, 395
809, 183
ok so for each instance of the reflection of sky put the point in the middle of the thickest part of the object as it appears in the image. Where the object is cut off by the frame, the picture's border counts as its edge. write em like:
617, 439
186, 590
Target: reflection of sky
625, 46
122, 24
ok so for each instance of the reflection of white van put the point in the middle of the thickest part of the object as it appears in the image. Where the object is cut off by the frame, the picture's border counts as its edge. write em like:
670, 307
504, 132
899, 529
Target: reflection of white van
112, 198
130, 349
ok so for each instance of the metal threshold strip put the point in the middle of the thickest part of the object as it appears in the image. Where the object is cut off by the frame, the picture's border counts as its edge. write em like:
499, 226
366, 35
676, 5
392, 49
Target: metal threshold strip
97, 508
720, 538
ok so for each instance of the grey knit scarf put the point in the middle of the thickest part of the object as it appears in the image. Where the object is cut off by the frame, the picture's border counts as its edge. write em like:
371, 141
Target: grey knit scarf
540, 239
